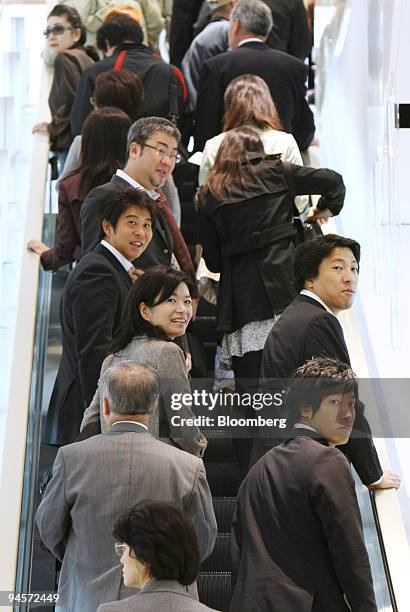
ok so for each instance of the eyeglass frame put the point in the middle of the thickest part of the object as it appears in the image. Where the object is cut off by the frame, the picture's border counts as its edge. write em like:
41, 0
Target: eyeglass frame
61, 29
175, 157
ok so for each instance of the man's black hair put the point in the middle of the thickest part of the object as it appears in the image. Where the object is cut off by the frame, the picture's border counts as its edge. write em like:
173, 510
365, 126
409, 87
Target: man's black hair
118, 29
315, 380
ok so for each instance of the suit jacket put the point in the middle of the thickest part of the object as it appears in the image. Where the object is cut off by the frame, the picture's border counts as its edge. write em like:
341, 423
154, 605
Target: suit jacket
166, 236
90, 312
167, 359
158, 595
290, 31
296, 539
97, 480
184, 15
285, 76
306, 330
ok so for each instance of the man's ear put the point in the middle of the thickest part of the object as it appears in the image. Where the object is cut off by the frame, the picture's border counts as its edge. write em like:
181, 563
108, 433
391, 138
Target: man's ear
309, 284
107, 228
306, 412
135, 150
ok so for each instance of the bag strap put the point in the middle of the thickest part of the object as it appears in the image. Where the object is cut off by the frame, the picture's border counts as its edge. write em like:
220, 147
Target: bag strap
119, 61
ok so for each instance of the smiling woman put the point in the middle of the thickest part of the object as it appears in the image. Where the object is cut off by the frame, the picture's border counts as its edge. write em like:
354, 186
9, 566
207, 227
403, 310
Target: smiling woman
158, 310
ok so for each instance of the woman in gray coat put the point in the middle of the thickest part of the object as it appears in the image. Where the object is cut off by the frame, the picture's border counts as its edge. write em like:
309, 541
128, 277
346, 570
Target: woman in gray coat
159, 554
157, 313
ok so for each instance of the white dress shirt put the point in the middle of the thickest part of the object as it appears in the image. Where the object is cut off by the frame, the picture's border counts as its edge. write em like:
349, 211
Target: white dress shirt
133, 422
317, 298
248, 40
126, 177
127, 265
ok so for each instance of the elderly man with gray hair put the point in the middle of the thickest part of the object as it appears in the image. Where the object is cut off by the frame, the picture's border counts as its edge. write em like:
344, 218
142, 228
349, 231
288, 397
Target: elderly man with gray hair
96, 480
249, 26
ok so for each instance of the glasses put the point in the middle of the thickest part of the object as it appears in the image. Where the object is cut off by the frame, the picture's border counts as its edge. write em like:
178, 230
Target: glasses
120, 549
56, 31
164, 154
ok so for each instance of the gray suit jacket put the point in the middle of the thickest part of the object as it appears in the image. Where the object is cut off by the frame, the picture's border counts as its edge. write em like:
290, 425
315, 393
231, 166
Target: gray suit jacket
158, 595
97, 480
167, 359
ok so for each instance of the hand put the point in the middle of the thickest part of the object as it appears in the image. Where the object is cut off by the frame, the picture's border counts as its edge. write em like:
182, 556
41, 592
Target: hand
321, 216
188, 362
36, 246
135, 273
40, 127
390, 480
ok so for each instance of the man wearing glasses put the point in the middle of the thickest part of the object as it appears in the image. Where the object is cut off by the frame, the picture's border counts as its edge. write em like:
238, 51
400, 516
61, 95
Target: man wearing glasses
152, 155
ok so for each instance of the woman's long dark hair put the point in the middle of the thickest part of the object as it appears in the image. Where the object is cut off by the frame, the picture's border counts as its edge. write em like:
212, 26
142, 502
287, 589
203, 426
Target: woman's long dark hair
154, 287
229, 164
103, 147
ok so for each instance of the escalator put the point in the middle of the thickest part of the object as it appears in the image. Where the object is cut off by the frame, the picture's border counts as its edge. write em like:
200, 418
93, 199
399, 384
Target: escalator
36, 567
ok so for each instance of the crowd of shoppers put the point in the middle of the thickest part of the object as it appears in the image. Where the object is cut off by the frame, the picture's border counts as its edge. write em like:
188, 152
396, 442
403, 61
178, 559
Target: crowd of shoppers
127, 481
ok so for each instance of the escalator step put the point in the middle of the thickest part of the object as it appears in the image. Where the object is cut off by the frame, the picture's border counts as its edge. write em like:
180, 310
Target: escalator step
220, 559
205, 328
220, 450
224, 478
224, 508
214, 590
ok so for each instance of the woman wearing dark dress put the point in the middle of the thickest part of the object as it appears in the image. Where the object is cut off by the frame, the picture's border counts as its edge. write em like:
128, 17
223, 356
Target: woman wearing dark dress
103, 147
65, 35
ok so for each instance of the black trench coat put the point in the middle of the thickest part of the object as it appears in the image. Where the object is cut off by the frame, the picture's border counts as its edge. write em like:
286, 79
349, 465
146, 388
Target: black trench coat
250, 238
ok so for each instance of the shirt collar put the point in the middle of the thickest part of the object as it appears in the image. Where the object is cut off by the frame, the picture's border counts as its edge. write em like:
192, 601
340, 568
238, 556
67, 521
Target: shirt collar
132, 422
248, 40
154, 195
317, 298
127, 265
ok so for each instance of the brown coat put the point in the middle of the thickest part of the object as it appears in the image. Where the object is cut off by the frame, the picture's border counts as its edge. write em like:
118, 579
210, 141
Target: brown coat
68, 68
68, 237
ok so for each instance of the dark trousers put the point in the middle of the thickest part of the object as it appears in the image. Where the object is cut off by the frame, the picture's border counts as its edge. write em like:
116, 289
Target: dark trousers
246, 370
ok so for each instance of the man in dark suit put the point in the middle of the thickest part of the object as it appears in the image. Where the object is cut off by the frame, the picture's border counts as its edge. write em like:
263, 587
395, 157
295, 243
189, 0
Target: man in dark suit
91, 308
98, 479
297, 536
326, 272
152, 154
250, 24
184, 15
290, 31
120, 38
